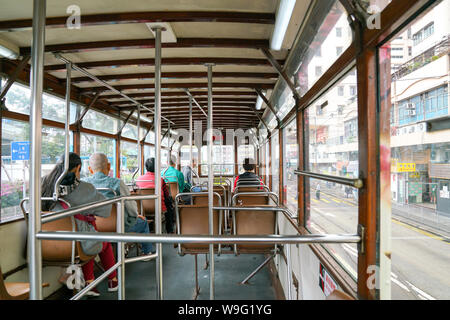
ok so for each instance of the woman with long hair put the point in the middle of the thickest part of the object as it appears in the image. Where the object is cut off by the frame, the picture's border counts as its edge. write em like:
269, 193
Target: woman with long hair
78, 193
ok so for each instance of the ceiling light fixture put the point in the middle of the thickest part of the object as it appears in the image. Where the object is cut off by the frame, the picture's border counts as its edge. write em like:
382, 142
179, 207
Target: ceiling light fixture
285, 9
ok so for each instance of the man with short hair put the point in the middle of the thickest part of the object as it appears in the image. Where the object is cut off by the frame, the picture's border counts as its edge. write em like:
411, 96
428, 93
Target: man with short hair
249, 168
173, 175
99, 167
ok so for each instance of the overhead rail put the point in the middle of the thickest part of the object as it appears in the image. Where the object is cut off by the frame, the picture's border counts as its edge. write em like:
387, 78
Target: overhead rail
81, 70
195, 101
355, 183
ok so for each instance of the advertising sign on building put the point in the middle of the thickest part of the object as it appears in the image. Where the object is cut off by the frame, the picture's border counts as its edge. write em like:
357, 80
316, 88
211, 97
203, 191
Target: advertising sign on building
326, 283
403, 167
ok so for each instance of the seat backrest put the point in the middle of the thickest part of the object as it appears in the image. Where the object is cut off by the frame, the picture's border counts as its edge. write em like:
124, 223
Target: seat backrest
173, 188
202, 199
194, 219
148, 206
59, 250
107, 224
255, 223
251, 200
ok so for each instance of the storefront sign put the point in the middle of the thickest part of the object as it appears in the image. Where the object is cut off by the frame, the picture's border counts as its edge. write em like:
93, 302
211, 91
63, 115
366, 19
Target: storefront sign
404, 167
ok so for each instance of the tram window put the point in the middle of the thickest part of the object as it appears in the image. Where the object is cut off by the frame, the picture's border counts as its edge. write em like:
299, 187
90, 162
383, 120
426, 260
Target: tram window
98, 121
130, 131
185, 156
331, 207
334, 32
53, 108
15, 173
149, 152
329, 153
290, 164
275, 162
164, 159
223, 160
128, 160
414, 160
150, 138
91, 144
245, 151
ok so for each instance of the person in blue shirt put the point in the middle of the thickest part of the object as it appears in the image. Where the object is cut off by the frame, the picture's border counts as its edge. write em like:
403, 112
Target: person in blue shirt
99, 167
173, 175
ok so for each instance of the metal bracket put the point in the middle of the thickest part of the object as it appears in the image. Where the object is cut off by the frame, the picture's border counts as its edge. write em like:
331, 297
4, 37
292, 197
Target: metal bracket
362, 234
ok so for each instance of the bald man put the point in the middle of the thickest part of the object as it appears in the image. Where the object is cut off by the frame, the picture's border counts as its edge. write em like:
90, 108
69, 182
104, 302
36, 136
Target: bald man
99, 167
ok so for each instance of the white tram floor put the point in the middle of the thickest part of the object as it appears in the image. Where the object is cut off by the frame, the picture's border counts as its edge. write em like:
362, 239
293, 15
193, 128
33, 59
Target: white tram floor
179, 278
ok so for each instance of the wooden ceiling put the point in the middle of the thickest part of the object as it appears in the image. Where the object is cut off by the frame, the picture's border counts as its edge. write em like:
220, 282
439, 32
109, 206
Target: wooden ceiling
115, 44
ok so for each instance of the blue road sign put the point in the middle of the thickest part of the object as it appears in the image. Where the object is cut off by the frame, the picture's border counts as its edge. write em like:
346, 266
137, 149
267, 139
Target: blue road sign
20, 150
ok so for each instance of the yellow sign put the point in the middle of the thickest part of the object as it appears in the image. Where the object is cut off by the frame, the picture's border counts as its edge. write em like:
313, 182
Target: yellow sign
405, 167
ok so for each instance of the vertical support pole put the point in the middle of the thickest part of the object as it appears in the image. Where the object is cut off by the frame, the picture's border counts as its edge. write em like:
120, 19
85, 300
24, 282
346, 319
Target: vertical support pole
66, 131
301, 166
368, 145
280, 166
121, 250
270, 163
36, 81
118, 160
210, 180
157, 121
385, 215
191, 164
139, 139
289, 271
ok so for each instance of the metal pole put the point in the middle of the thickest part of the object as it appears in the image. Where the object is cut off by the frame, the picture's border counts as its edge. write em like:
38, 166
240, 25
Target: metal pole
289, 272
66, 132
121, 250
191, 164
157, 121
36, 81
210, 180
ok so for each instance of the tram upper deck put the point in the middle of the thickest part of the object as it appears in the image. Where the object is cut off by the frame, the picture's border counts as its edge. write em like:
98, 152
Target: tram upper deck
303, 88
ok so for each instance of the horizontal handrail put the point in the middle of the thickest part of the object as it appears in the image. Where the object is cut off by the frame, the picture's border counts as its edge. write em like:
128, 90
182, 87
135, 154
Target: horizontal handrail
355, 183
94, 205
211, 239
272, 195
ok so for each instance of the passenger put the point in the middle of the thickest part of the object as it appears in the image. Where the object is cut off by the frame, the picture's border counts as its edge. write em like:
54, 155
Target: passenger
188, 171
173, 175
188, 179
249, 168
78, 193
99, 167
148, 181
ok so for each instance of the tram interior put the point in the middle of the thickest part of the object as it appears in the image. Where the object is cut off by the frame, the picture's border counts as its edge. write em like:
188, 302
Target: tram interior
319, 105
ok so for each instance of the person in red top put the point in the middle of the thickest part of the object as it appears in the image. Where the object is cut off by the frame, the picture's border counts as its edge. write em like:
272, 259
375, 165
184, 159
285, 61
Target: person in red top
249, 167
148, 181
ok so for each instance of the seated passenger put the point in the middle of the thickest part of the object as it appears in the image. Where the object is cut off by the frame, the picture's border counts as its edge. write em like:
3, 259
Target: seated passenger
78, 193
148, 181
188, 180
249, 168
173, 175
99, 167
188, 172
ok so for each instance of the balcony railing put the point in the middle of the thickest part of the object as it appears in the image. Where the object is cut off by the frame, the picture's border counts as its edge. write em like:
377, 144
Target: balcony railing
440, 49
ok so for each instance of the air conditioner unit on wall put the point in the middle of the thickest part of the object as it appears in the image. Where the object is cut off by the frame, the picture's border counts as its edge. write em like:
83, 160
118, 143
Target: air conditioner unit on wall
411, 112
410, 106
